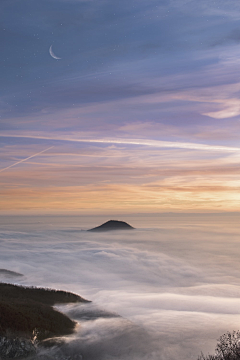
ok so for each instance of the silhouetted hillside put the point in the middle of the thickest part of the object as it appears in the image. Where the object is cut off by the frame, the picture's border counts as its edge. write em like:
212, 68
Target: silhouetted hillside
113, 225
42, 295
28, 312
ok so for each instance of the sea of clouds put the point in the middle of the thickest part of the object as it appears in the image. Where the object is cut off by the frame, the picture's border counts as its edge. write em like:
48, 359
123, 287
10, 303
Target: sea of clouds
164, 291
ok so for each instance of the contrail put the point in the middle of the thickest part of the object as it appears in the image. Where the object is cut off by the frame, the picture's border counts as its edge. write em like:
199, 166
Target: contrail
18, 162
142, 142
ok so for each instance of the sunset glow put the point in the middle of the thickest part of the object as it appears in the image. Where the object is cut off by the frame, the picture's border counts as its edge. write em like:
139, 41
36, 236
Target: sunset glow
139, 109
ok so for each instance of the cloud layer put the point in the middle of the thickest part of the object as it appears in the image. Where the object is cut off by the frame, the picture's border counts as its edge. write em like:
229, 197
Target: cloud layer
117, 174
175, 286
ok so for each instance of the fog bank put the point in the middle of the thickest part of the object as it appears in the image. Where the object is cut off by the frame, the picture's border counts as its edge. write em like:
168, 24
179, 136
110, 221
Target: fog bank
166, 290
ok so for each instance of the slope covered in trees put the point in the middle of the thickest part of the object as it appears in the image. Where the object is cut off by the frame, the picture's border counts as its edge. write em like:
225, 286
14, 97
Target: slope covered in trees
28, 312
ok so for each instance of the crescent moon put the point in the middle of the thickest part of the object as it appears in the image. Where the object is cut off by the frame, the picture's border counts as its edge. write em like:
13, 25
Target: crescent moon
52, 54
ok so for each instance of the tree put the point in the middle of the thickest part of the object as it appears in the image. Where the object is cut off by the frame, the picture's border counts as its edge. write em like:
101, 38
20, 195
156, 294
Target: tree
228, 348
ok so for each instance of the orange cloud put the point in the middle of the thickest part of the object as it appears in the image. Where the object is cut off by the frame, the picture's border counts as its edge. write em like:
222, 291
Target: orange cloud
128, 198
97, 179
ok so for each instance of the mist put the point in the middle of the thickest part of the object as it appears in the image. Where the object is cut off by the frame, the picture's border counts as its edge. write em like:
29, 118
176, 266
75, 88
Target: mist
166, 290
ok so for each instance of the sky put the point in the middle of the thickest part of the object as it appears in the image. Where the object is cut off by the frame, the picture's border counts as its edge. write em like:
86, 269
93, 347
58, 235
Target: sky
140, 113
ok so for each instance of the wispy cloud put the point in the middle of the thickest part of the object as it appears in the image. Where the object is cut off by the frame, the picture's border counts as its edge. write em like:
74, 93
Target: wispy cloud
123, 141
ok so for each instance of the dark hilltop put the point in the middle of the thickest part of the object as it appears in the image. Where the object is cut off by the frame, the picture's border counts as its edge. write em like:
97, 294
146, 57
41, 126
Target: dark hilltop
113, 225
25, 309
27, 315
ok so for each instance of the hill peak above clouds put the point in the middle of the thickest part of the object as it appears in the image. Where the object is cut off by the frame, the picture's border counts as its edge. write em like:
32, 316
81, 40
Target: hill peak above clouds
113, 225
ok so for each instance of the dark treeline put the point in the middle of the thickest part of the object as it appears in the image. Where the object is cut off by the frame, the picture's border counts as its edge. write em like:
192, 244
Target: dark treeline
28, 312
43, 295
